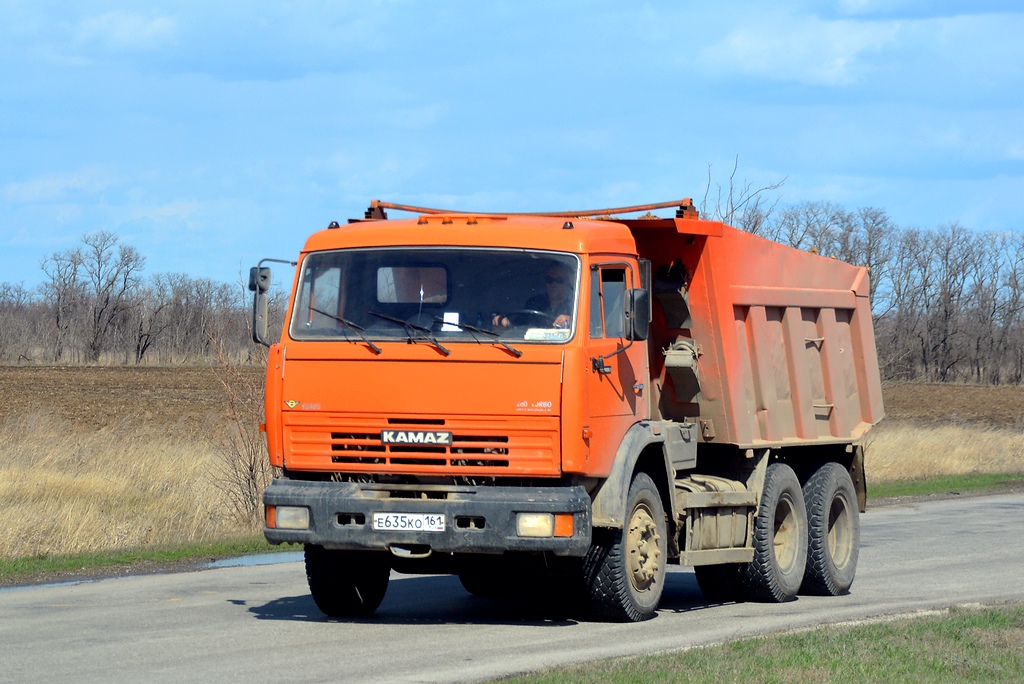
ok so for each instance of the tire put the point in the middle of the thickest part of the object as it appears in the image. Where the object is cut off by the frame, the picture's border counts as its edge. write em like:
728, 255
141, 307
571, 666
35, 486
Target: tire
346, 584
833, 520
720, 583
780, 539
624, 570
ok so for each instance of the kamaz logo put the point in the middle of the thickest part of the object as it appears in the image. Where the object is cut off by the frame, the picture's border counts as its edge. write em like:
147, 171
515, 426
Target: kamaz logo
415, 437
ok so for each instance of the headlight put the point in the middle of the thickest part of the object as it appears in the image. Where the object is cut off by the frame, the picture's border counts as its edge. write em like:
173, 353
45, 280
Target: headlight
292, 518
535, 525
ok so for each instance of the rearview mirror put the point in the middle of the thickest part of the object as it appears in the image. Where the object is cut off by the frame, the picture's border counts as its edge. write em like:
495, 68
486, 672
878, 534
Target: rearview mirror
638, 314
259, 279
259, 284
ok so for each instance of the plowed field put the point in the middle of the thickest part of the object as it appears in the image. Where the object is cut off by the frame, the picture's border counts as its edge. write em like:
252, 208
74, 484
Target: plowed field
934, 404
93, 397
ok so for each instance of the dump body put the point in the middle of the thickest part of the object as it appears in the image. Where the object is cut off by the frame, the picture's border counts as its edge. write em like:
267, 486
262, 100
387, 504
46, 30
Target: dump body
785, 346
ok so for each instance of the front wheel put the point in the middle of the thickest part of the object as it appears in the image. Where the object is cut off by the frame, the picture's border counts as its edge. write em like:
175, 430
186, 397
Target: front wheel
346, 583
624, 571
834, 539
780, 539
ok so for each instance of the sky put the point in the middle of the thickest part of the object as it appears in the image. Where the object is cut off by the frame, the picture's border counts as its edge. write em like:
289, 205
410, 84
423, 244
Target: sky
211, 135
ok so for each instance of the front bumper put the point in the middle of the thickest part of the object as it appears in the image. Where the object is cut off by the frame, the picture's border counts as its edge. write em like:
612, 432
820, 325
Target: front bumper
477, 519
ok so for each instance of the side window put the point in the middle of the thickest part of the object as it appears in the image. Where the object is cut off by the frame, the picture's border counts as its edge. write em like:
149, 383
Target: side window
608, 295
613, 298
596, 322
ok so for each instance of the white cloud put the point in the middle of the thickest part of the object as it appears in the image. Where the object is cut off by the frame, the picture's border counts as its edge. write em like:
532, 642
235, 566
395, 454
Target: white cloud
870, 6
806, 50
127, 31
56, 187
948, 55
184, 211
857, 6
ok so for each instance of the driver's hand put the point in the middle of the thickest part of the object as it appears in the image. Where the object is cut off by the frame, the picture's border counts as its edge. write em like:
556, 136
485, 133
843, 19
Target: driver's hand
500, 321
562, 321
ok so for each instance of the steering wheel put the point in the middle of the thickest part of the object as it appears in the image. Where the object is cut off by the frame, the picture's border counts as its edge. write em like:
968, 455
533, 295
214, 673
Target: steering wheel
523, 317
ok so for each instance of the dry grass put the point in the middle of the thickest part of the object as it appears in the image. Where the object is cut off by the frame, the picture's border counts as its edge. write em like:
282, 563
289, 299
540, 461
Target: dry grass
66, 490
899, 450
932, 430
94, 459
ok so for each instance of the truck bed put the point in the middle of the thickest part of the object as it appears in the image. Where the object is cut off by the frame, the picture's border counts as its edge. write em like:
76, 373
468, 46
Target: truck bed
784, 347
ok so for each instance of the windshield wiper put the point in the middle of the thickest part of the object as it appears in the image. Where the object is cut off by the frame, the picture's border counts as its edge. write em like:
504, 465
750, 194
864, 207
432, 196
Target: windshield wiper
349, 324
472, 328
425, 333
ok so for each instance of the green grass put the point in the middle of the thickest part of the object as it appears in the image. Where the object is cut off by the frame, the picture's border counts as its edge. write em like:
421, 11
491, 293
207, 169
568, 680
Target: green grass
965, 645
52, 568
944, 485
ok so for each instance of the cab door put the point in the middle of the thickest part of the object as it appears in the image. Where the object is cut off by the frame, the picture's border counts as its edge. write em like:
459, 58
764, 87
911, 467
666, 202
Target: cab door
618, 378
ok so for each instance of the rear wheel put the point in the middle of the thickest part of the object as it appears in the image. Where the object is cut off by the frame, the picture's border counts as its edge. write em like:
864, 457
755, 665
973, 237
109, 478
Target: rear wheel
346, 583
834, 531
780, 539
624, 571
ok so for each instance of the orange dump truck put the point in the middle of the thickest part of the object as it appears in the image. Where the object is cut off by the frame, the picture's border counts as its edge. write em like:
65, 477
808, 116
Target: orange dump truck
569, 399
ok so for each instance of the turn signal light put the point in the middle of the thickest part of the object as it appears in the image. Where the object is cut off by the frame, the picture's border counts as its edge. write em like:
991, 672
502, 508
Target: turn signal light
288, 517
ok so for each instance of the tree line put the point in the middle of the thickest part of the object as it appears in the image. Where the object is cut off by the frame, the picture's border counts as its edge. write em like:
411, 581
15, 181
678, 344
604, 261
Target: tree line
948, 302
96, 305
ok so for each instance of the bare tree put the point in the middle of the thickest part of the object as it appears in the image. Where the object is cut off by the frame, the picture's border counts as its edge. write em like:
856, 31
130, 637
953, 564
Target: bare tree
1013, 295
64, 292
874, 245
952, 251
243, 470
741, 204
150, 319
111, 273
17, 334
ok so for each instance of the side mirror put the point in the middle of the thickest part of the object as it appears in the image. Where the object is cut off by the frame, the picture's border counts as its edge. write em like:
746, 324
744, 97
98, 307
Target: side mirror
259, 284
259, 279
638, 314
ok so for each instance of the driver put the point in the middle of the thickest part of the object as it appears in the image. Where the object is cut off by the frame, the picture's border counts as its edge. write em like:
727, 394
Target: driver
556, 300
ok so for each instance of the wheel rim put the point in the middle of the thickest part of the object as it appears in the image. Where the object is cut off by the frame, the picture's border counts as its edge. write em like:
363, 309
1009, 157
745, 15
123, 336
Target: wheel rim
840, 540
643, 543
785, 539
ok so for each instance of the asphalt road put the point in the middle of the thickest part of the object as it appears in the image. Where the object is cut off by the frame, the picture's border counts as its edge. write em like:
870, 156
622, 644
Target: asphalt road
258, 624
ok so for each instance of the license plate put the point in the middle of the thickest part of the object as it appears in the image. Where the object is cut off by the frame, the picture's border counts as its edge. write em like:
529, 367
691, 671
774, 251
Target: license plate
409, 522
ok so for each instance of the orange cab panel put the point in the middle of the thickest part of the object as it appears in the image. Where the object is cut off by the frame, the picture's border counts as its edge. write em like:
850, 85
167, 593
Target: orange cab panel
422, 417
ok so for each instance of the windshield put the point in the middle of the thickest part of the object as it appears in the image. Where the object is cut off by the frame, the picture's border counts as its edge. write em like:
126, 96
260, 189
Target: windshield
437, 295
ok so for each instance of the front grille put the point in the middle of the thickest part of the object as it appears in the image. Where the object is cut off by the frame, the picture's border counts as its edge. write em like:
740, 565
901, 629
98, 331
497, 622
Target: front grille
527, 445
364, 460
424, 455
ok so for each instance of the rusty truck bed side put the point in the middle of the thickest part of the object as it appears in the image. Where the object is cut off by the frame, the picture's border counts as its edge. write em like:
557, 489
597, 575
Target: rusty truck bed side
784, 341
